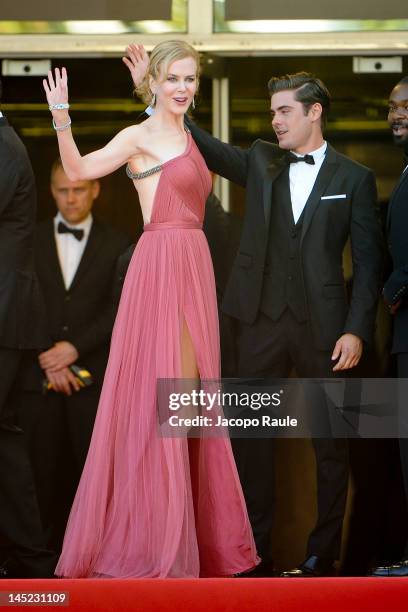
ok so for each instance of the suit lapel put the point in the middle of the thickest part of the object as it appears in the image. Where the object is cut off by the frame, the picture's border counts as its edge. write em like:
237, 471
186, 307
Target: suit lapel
329, 167
92, 245
402, 180
272, 173
53, 264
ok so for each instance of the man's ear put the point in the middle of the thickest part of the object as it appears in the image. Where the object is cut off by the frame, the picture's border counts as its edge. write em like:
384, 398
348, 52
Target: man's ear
96, 188
315, 111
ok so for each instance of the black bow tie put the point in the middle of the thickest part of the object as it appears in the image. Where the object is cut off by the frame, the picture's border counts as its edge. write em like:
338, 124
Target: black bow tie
64, 229
291, 158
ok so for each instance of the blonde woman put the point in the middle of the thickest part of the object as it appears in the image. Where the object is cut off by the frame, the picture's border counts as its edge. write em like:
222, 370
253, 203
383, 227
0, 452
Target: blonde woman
149, 506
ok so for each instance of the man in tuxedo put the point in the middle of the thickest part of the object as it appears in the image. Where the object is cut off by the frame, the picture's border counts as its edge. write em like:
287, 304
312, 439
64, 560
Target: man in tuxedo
396, 288
21, 332
75, 259
287, 290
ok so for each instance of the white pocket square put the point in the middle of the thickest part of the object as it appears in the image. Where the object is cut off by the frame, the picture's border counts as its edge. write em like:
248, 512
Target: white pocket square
340, 196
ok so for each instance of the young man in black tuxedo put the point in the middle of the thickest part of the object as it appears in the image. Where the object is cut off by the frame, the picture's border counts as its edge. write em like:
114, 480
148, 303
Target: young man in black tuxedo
396, 287
76, 257
21, 332
287, 290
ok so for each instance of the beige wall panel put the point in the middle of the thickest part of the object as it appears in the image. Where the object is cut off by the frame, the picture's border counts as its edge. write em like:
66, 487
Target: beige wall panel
44, 10
319, 9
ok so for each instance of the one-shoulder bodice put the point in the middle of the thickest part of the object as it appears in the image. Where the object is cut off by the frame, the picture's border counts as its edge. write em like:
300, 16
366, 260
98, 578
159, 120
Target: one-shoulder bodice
137, 176
183, 187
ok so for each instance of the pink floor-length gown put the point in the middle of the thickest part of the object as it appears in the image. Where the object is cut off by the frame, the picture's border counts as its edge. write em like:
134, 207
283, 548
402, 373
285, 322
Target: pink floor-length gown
141, 510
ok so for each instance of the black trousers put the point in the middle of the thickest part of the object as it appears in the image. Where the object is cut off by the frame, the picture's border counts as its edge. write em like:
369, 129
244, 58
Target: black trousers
58, 431
20, 524
272, 349
402, 361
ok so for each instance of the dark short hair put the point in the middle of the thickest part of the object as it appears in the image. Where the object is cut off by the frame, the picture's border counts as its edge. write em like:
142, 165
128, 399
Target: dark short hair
56, 165
309, 90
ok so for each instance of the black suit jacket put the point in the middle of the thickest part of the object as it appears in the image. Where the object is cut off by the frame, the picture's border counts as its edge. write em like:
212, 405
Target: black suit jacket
327, 226
21, 313
84, 314
396, 287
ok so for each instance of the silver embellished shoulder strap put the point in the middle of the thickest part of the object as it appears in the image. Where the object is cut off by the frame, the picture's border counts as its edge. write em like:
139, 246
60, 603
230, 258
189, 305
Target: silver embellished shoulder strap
141, 175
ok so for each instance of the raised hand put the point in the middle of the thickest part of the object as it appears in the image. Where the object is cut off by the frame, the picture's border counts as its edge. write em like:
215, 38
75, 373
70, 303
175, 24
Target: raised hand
56, 87
137, 61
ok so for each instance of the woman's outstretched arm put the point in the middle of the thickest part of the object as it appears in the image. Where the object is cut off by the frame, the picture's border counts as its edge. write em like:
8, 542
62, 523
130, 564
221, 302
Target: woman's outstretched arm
98, 163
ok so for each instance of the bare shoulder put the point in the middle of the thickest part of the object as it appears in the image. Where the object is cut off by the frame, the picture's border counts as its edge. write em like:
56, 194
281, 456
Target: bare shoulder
141, 136
131, 138
132, 133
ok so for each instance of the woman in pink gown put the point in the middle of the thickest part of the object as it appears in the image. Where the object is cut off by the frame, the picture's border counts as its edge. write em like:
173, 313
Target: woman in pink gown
147, 505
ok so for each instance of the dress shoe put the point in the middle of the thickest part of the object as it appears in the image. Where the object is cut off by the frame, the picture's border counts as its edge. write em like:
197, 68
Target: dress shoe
264, 569
393, 571
11, 568
6, 570
3, 572
312, 567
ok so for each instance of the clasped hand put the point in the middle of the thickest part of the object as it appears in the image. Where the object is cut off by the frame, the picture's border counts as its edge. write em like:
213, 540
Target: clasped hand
55, 362
61, 355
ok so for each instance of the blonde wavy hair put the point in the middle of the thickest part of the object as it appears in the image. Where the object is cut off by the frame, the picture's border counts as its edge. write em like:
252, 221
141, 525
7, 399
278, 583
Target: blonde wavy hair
162, 56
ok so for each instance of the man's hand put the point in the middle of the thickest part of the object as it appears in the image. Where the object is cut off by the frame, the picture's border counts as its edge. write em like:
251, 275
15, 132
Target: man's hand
62, 380
348, 351
137, 61
61, 355
392, 308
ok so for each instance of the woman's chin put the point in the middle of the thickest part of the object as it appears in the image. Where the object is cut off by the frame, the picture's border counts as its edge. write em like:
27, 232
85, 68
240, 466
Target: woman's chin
180, 109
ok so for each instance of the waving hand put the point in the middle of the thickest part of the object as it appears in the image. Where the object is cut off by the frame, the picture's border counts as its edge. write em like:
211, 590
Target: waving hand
137, 61
56, 87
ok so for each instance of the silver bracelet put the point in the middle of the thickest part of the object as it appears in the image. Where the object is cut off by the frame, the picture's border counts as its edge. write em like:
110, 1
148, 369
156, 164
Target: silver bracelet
59, 128
59, 106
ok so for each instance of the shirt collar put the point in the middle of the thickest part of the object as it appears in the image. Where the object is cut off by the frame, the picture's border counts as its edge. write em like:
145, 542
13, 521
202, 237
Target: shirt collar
317, 154
85, 225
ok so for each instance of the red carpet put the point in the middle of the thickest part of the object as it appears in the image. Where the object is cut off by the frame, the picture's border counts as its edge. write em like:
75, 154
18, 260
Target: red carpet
230, 595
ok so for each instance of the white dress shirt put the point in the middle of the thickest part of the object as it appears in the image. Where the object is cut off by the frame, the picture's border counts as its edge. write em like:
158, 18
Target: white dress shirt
69, 248
302, 178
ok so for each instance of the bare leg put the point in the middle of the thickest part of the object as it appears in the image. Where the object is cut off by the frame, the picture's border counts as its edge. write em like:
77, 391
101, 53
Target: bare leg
189, 367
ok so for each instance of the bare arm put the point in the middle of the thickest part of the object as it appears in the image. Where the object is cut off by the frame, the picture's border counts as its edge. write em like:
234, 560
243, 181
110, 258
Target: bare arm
98, 163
